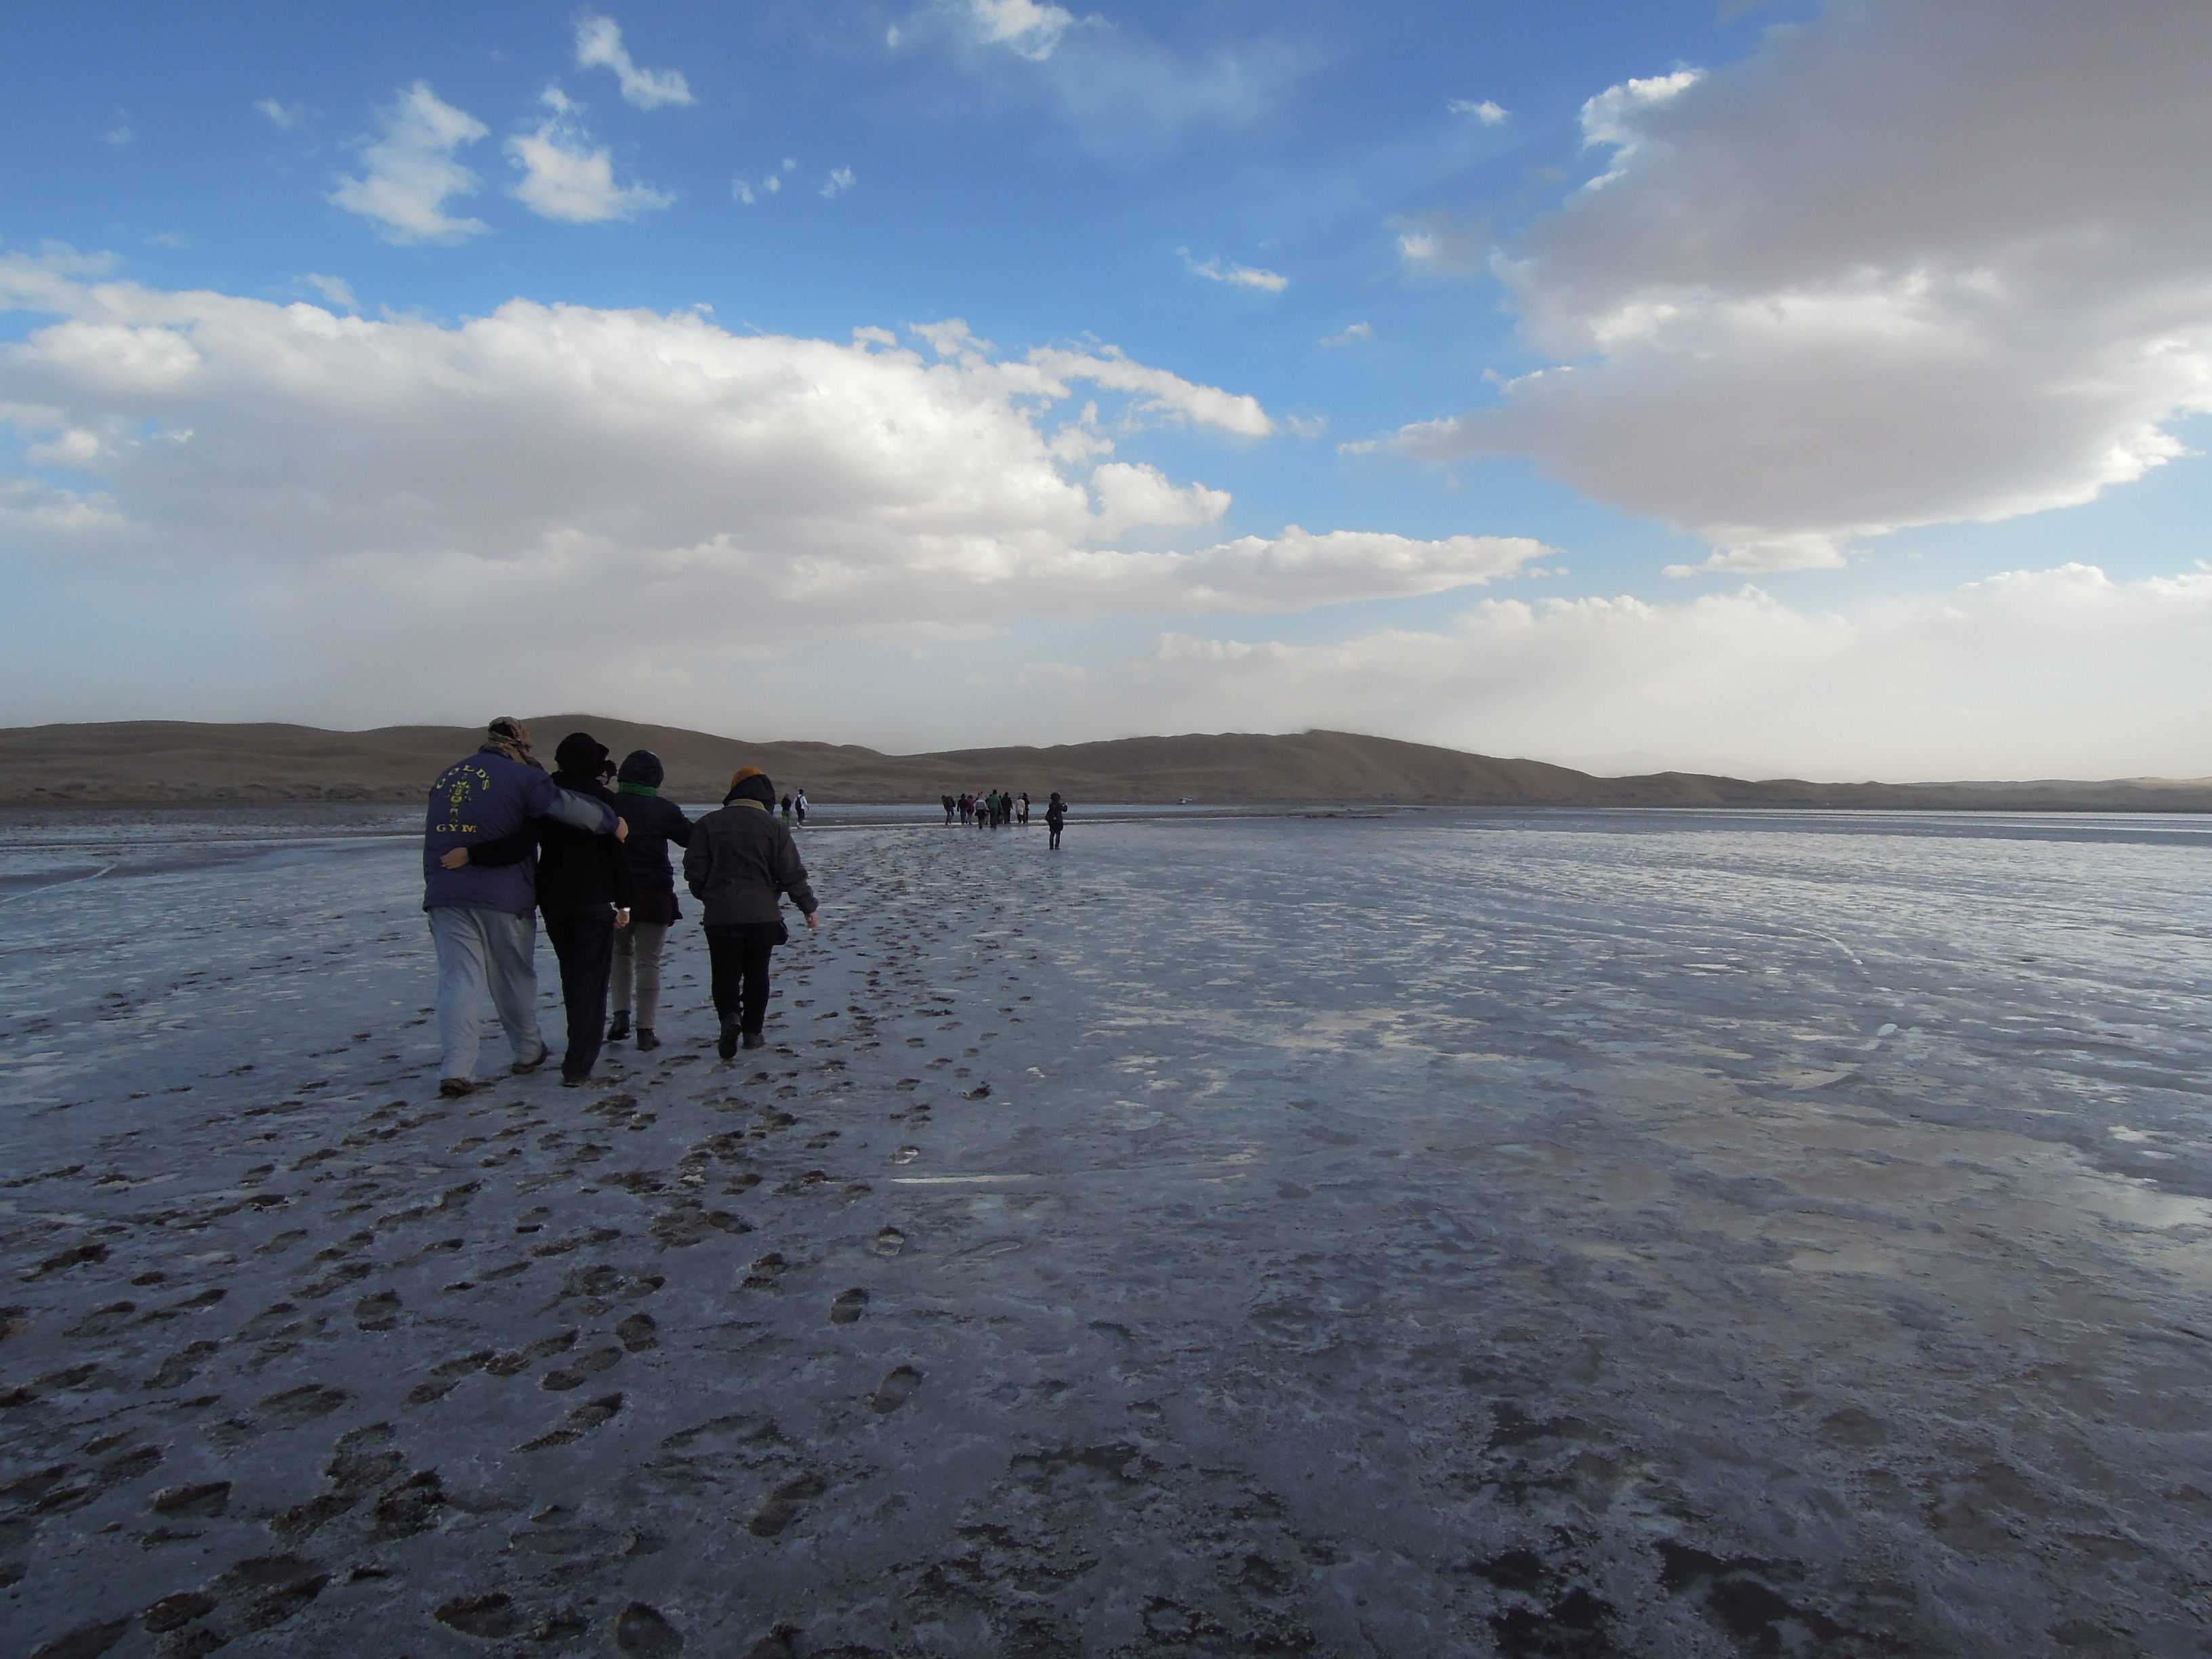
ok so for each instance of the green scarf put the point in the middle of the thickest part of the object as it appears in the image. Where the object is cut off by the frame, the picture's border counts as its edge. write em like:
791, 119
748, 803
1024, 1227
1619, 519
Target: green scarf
635, 789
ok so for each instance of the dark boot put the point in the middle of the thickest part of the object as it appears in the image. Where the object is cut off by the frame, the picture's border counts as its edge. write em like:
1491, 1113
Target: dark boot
647, 1042
618, 1028
754, 1040
727, 1046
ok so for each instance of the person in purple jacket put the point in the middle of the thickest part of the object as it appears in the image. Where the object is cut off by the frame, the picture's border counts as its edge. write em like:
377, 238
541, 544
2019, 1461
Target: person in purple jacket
483, 918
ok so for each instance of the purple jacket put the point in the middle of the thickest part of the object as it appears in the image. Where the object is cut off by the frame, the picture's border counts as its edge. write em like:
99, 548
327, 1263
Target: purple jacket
485, 798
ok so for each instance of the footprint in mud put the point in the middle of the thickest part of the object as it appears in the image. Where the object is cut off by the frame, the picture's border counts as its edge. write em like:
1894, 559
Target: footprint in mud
446, 1376
410, 1507
304, 1404
103, 1321
182, 1366
507, 1365
175, 1611
274, 1588
642, 1632
784, 1504
76, 1256
580, 1422
580, 1371
895, 1390
282, 1242
209, 1499
85, 1641
638, 1333
1740, 1596
379, 1312
848, 1306
486, 1616
888, 1242
765, 1271
904, 1154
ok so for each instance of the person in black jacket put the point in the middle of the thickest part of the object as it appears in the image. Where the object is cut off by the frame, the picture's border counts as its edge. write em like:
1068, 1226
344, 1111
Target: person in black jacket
1055, 819
583, 893
740, 864
653, 823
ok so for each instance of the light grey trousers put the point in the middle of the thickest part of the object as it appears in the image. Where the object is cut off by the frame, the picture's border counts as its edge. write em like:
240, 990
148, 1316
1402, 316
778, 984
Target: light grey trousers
480, 950
637, 956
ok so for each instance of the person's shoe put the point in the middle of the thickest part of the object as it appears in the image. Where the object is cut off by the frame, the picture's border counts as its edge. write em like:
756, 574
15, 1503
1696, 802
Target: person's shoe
522, 1067
618, 1029
453, 1088
647, 1042
567, 1082
727, 1047
754, 1040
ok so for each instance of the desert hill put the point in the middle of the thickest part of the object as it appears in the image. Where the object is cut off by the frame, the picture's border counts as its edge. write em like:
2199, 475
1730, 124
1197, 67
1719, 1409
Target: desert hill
152, 762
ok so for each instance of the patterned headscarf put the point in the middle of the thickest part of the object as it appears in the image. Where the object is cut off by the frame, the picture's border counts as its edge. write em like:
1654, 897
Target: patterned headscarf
511, 738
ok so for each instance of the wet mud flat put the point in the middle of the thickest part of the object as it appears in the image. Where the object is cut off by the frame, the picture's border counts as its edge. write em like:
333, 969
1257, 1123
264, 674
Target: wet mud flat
1521, 1234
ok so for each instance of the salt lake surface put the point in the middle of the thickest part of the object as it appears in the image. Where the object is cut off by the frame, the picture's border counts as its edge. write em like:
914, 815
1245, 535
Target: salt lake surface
1431, 1233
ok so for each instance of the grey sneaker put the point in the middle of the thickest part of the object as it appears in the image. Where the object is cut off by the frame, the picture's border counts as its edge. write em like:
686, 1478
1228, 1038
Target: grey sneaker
453, 1088
522, 1065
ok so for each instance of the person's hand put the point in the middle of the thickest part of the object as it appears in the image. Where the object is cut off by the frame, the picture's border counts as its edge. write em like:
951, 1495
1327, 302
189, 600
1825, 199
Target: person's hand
622, 827
621, 917
813, 920
456, 858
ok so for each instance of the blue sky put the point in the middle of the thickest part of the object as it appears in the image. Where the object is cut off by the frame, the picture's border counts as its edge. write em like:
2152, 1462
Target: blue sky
1784, 388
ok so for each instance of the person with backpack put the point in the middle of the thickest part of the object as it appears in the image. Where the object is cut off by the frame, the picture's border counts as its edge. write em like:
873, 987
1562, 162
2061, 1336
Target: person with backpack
1055, 819
483, 911
654, 824
740, 866
583, 883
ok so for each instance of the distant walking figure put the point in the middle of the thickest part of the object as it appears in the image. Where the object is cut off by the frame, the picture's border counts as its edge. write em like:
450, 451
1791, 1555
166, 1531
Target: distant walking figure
799, 805
1055, 818
787, 809
653, 823
950, 807
483, 918
739, 866
1025, 818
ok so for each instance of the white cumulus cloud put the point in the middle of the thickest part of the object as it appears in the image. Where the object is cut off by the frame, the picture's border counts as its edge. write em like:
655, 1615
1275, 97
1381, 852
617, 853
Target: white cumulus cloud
1912, 262
1357, 332
1489, 115
335, 289
409, 171
1022, 26
608, 482
565, 176
599, 46
1235, 276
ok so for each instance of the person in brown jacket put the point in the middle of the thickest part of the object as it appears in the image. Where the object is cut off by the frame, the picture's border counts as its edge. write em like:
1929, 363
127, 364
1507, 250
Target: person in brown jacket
740, 864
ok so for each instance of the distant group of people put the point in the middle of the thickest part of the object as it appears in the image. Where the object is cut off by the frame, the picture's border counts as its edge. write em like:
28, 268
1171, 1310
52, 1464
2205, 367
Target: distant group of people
988, 812
1001, 807
504, 843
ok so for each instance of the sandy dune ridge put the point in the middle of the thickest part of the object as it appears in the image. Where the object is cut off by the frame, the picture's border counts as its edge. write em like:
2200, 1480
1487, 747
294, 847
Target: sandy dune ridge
151, 761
